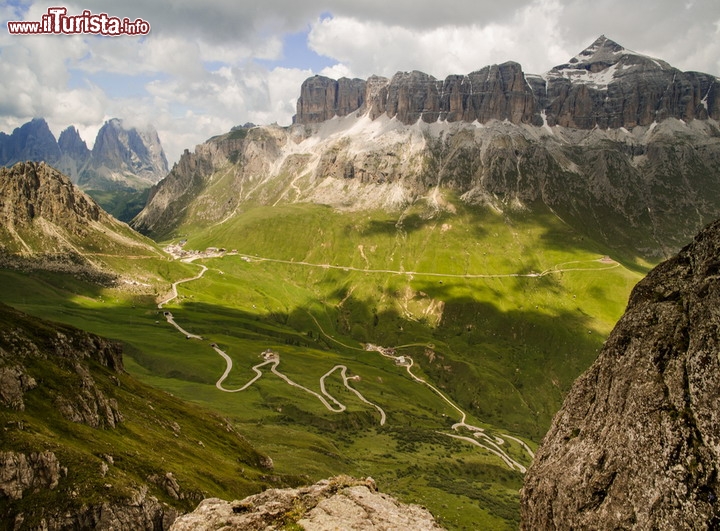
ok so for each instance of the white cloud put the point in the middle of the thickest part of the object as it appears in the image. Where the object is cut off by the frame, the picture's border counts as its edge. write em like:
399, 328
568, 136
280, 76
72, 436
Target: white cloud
531, 37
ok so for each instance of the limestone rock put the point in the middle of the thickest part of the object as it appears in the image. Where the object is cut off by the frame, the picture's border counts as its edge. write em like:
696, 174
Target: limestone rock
70, 349
636, 444
30, 141
22, 472
604, 86
322, 98
122, 156
14, 382
338, 503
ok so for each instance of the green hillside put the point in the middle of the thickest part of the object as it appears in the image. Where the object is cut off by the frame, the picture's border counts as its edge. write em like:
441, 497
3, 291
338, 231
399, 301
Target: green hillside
498, 313
114, 439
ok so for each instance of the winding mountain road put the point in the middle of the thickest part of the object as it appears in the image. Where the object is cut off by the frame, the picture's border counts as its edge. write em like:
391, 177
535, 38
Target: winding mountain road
176, 284
479, 437
325, 398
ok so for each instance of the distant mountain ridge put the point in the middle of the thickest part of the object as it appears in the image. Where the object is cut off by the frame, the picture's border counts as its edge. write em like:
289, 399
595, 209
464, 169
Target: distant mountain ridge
123, 160
624, 148
604, 86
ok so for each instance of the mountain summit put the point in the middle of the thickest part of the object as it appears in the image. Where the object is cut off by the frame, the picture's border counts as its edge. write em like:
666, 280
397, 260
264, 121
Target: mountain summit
124, 156
604, 86
603, 54
121, 157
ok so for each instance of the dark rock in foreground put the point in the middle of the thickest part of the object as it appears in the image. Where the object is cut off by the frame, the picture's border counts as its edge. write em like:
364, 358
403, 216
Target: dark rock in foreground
637, 441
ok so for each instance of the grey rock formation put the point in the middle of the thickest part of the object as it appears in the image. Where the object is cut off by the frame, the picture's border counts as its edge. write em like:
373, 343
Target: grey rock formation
20, 472
82, 401
72, 145
30, 141
636, 444
122, 157
48, 223
497, 92
29, 191
14, 382
143, 512
322, 98
254, 150
338, 503
604, 86
74, 154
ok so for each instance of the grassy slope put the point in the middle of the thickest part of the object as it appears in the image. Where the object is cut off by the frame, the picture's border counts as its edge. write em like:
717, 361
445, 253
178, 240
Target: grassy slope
159, 434
505, 349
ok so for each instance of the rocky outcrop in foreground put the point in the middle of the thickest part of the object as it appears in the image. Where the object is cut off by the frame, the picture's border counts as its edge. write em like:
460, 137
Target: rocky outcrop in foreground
636, 444
338, 503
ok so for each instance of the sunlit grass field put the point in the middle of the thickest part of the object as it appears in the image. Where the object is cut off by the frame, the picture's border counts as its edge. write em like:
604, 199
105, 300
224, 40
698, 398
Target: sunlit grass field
499, 311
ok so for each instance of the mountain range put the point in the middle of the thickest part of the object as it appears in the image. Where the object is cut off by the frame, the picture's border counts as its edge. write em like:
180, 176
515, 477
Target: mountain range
124, 161
440, 259
620, 146
604, 86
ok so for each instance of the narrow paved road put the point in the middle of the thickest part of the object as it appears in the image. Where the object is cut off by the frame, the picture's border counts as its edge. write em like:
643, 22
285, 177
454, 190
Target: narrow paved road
176, 284
553, 270
479, 438
274, 361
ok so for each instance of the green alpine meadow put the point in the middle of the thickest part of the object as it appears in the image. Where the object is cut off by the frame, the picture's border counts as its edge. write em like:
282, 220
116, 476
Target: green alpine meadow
402, 287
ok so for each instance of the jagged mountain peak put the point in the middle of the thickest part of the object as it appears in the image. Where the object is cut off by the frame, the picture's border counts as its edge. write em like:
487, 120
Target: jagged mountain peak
603, 62
601, 49
126, 155
71, 144
31, 141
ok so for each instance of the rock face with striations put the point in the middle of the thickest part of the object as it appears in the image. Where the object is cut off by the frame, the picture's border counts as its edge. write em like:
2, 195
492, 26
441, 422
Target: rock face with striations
636, 444
48, 223
123, 156
604, 86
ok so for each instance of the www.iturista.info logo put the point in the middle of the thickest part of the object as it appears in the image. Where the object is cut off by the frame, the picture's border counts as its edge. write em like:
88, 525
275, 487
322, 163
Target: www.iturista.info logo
57, 22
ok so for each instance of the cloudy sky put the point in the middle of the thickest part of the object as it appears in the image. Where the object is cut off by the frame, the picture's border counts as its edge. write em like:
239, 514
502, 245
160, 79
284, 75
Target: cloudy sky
208, 65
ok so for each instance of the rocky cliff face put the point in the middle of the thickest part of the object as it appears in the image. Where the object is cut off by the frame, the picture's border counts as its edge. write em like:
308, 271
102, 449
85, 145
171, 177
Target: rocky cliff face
74, 154
46, 222
338, 503
31, 141
124, 157
604, 86
35, 190
636, 444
